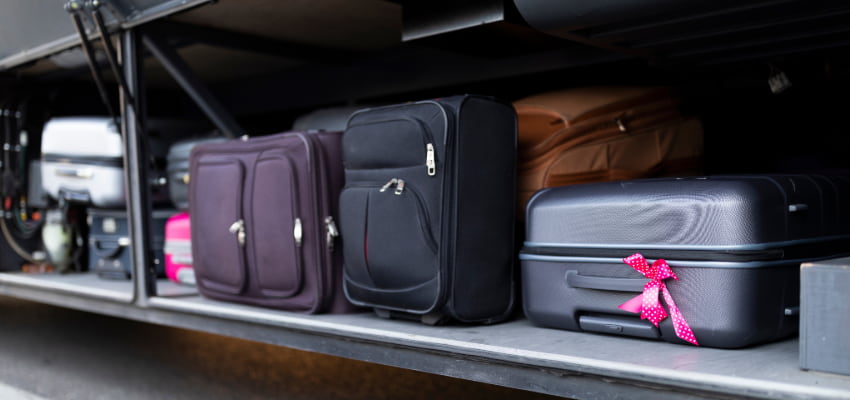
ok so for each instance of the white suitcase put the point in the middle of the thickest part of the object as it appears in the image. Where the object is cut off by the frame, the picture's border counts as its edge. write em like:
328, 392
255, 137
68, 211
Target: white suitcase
82, 159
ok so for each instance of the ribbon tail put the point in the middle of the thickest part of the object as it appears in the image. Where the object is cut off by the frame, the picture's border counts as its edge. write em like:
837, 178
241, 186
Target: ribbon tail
683, 330
634, 305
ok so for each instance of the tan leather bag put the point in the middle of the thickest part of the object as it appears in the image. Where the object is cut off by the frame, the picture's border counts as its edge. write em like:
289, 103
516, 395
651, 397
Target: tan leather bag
605, 133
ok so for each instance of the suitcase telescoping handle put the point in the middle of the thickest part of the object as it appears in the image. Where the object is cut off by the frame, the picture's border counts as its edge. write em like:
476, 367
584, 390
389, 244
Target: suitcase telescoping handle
605, 283
612, 324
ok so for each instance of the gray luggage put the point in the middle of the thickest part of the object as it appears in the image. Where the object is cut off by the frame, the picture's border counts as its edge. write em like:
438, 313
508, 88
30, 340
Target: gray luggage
735, 243
178, 169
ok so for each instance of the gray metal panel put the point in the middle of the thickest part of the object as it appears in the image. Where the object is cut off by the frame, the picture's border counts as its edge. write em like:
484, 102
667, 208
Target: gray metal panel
25, 25
423, 19
824, 320
514, 354
33, 29
698, 31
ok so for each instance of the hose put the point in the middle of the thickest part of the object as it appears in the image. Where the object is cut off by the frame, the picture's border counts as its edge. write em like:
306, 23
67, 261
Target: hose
20, 251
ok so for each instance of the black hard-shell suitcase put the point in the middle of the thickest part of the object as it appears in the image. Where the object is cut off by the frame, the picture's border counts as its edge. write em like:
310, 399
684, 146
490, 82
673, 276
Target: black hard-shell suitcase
109, 242
426, 215
735, 244
178, 169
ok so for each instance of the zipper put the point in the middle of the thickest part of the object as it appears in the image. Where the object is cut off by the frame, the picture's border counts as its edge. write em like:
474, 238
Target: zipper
397, 182
427, 138
694, 255
297, 232
596, 129
430, 162
333, 232
425, 223
238, 228
620, 125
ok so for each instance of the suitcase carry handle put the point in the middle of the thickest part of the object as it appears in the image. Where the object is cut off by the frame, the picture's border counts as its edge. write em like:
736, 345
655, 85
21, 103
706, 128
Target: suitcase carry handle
109, 252
75, 196
82, 173
575, 280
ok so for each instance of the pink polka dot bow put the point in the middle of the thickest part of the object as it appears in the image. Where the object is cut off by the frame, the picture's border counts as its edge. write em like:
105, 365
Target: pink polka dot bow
648, 304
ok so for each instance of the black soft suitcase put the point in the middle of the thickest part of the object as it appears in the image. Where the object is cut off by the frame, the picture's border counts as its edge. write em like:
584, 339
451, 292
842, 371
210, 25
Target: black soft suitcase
427, 212
734, 244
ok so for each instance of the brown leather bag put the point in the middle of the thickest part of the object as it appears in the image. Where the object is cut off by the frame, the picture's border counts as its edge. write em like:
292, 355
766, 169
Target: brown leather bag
604, 133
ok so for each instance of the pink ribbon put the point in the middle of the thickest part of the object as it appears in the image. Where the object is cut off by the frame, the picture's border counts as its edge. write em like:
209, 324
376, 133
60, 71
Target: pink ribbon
647, 303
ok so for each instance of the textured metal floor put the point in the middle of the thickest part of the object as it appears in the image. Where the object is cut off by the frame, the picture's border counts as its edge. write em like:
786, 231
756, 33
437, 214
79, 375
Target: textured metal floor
56, 353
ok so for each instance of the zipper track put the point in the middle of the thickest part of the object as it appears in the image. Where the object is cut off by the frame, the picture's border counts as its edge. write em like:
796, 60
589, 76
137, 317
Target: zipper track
423, 211
428, 137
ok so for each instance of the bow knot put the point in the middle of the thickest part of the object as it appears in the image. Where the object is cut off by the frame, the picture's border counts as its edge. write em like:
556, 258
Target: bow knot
648, 303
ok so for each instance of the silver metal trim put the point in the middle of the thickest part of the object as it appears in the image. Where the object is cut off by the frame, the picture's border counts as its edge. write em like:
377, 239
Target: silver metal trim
68, 288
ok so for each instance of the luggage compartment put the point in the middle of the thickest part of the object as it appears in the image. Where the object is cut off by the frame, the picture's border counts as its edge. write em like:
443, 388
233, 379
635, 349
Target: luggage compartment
735, 243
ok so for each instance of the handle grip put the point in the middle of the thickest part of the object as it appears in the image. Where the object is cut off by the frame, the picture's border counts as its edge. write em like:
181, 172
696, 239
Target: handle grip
111, 251
605, 283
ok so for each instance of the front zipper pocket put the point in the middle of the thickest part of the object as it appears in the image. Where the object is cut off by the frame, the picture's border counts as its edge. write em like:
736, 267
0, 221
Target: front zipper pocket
392, 143
219, 257
388, 241
276, 227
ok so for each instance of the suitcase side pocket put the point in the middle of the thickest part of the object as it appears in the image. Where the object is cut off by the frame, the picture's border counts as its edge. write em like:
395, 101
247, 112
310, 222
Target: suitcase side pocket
275, 228
218, 225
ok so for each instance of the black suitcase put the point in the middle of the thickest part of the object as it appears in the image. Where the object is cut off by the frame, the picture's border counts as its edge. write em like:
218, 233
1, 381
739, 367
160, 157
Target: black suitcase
735, 243
178, 169
427, 211
109, 242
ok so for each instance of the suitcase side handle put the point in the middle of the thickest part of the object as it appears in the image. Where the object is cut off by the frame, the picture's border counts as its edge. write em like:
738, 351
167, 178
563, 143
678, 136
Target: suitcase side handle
575, 280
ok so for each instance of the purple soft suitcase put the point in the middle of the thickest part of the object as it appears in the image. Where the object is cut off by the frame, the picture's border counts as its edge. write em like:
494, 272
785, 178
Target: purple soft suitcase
734, 244
263, 221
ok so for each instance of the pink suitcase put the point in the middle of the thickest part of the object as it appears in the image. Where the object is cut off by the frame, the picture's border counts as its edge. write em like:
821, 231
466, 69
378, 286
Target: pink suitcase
178, 250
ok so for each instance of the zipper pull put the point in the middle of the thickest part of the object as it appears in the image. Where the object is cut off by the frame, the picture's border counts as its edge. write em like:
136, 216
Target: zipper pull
388, 185
332, 232
430, 162
399, 187
238, 228
297, 233
620, 125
